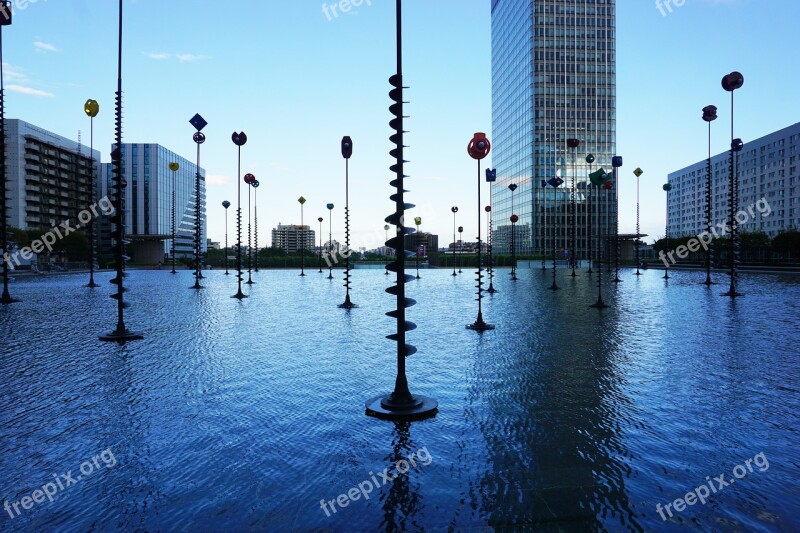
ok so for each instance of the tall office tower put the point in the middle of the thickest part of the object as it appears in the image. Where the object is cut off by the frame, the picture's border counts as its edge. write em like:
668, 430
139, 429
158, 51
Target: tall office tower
148, 202
553, 79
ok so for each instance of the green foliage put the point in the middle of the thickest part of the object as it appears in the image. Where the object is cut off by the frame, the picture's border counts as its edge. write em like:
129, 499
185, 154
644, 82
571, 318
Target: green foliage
787, 242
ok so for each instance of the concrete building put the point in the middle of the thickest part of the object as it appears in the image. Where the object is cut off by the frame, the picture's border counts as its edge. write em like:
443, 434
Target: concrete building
424, 244
148, 202
49, 177
290, 237
553, 78
767, 171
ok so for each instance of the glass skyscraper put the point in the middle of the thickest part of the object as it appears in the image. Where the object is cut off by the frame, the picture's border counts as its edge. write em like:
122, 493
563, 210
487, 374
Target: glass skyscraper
148, 197
553, 79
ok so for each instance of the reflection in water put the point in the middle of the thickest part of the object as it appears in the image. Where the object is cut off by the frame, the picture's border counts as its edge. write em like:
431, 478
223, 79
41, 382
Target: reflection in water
242, 416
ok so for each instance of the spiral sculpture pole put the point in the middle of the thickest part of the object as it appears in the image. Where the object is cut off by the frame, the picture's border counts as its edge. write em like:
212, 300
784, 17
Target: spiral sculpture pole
239, 139
555, 183
121, 333
199, 139
616, 162
512, 188
731, 82
173, 167
400, 404
573, 257
478, 148
91, 108
589, 188
491, 177
6, 297
255, 185
226, 204
666, 187
347, 151
709, 115
249, 179
638, 172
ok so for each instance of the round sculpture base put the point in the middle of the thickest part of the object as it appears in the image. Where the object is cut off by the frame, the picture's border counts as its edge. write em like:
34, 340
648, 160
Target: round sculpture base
121, 336
347, 305
599, 304
479, 325
239, 295
733, 294
421, 407
9, 300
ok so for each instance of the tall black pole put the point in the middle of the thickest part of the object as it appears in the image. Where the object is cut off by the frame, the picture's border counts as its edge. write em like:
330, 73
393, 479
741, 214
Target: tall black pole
554, 182
5, 20
616, 162
589, 189
491, 177
454, 210
400, 404
347, 151
239, 139
91, 108
479, 148
460, 248
666, 187
599, 304
302, 247
731, 82
638, 172
709, 115
573, 144
121, 333
199, 138
512, 188
386, 230
249, 181
330, 240
417, 222
226, 204
320, 244
255, 185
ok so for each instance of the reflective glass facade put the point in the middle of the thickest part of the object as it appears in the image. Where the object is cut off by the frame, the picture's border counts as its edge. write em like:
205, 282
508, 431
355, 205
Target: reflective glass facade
148, 200
553, 78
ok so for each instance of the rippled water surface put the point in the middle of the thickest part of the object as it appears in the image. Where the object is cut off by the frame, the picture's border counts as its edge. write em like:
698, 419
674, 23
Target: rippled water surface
242, 416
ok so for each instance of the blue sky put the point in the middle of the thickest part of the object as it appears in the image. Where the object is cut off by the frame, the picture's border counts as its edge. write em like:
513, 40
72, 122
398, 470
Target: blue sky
296, 80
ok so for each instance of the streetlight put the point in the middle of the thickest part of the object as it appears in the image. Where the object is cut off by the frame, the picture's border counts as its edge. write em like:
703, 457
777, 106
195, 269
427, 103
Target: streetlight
417, 222
385, 244
199, 123
491, 177
320, 244
589, 161
460, 248
347, 151
709, 115
5, 20
454, 210
91, 108
330, 240
302, 246
638, 172
239, 139
731, 82
249, 179
667, 187
616, 163
555, 183
512, 188
226, 204
254, 184
121, 334
478, 148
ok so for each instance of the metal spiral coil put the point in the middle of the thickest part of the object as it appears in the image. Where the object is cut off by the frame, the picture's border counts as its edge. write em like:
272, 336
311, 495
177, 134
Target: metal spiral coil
397, 219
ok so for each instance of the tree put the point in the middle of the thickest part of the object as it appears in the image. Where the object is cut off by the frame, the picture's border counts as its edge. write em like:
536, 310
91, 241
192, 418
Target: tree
787, 243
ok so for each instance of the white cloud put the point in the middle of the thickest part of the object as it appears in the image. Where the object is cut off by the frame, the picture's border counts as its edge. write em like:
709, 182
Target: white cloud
45, 47
216, 179
187, 58
28, 90
159, 56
